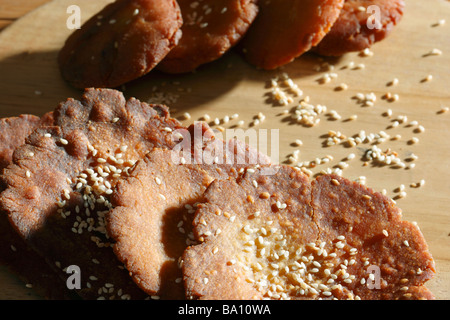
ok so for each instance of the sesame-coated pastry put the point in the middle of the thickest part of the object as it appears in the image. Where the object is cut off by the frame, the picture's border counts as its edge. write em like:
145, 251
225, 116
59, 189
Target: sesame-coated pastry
59, 184
122, 42
20, 259
155, 205
359, 26
210, 29
283, 236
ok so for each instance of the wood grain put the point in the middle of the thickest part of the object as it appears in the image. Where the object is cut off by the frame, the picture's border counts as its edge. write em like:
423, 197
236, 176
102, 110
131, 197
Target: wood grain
30, 83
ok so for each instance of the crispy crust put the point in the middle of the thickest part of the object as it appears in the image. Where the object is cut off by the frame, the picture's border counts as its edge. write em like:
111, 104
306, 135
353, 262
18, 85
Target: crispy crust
351, 33
209, 30
284, 30
152, 215
20, 259
120, 44
287, 230
147, 240
13, 132
56, 199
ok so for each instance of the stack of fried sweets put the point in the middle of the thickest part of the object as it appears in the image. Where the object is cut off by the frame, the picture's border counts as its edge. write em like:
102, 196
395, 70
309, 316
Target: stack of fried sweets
129, 38
108, 198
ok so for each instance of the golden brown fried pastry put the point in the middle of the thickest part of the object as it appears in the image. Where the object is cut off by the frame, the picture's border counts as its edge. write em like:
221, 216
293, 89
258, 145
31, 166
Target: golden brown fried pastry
57, 197
123, 42
210, 28
284, 237
284, 30
153, 208
150, 223
15, 254
358, 27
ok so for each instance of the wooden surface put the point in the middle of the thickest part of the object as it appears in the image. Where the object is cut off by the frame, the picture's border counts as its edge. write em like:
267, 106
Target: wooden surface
30, 83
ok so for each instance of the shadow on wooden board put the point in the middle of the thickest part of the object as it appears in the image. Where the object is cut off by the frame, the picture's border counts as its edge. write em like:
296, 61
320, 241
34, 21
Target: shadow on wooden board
31, 83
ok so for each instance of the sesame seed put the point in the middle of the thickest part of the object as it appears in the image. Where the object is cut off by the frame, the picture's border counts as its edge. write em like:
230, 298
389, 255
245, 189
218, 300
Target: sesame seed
394, 82
413, 140
335, 182
443, 110
441, 22
428, 78
434, 52
264, 195
385, 233
366, 53
342, 87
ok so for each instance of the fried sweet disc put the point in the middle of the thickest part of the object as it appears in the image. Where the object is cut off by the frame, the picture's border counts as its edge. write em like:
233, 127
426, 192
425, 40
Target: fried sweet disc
149, 221
283, 237
210, 28
284, 30
123, 42
57, 197
20, 259
358, 28
153, 208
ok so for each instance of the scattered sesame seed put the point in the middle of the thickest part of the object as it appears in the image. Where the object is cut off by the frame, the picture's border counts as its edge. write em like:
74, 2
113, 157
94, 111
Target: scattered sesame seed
433, 52
366, 53
428, 78
443, 110
394, 82
342, 87
441, 22
413, 140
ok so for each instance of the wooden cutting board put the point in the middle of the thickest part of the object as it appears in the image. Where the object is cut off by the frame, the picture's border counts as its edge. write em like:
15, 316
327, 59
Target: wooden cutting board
30, 83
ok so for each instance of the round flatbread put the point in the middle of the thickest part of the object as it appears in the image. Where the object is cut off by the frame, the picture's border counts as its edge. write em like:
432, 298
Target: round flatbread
284, 237
123, 42
210, 28
15, 254
359, 27
153, 208
284, 30
60, 182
